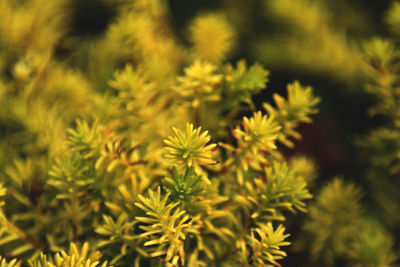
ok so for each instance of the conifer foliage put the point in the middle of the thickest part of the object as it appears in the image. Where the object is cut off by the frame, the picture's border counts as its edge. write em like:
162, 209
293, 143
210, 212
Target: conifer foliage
140, 148
126, 157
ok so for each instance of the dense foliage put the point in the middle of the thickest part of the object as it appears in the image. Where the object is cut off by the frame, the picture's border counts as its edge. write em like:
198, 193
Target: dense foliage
142, 148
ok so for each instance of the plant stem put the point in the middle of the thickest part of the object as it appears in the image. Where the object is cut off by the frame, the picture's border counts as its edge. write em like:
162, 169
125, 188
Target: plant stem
10, 226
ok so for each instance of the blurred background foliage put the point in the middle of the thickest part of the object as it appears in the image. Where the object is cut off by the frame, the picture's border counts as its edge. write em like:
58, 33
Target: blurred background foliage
322, 43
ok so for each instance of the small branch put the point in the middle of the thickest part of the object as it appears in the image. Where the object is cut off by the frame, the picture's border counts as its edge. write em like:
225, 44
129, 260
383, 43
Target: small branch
10, 226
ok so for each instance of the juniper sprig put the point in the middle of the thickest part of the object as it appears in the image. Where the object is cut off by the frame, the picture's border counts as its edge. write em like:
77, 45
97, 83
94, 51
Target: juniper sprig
190, 147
